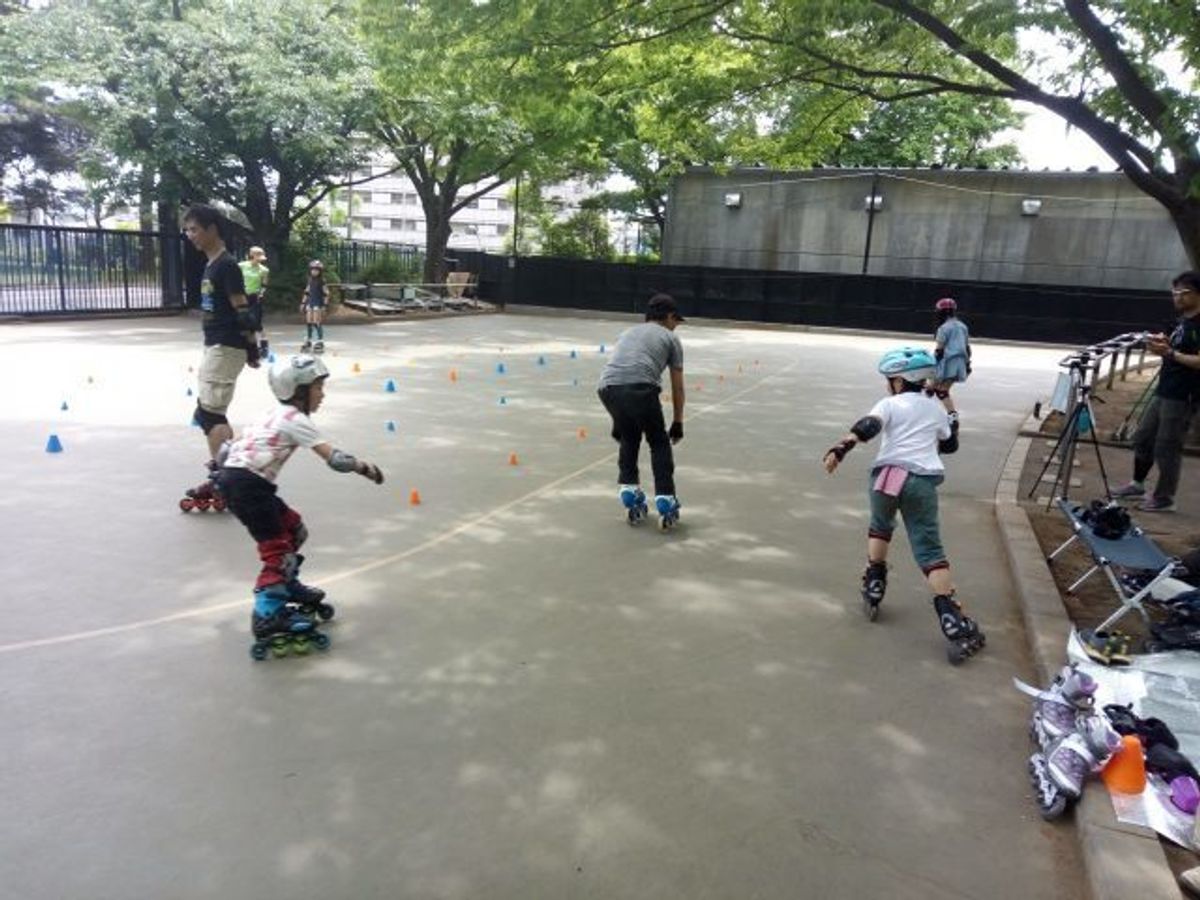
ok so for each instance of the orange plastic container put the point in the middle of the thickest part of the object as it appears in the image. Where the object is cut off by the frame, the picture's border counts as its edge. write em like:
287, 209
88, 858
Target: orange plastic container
1126, 771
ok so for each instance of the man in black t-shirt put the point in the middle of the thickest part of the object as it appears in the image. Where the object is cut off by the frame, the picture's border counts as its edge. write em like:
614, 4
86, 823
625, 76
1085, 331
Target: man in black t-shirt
225, 316
1164, 425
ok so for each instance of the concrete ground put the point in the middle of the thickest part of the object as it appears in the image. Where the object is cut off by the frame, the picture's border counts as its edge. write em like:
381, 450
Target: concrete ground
525, 697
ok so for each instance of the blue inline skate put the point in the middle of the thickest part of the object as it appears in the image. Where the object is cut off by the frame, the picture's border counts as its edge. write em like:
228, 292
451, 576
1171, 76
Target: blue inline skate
309, 600
634, 502
668, 511
280, 629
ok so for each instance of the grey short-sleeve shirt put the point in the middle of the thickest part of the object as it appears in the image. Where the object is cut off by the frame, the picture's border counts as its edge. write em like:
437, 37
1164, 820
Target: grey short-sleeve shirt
641, 354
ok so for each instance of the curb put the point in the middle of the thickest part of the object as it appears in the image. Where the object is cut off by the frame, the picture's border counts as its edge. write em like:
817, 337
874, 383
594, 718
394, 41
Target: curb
1120, 860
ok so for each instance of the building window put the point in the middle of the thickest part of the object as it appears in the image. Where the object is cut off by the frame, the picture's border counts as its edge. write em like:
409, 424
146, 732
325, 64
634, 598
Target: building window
362, 222
473, 204
503, 229
362, 173
404, 199
468, 229
403, 225
362, 196
503, 204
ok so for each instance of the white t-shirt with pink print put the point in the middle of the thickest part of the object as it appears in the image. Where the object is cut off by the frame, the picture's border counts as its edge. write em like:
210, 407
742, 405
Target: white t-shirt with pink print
264, 448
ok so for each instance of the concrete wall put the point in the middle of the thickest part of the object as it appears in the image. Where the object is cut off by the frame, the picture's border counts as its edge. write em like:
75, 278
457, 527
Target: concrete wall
1094, 228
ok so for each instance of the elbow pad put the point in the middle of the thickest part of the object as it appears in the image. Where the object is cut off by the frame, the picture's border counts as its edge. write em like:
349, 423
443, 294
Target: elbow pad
342, 462
866, 428
950, 444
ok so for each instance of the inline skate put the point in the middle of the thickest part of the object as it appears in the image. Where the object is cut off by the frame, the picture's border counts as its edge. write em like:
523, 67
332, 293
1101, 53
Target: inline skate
281, 629
1055, 710
874, 586
634, 502
318, 347
963, 633
668, 511
310, 601
1059, 770
206, 495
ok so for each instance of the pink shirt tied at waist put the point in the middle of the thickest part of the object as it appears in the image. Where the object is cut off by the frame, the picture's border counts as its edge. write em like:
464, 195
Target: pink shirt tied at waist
890, 480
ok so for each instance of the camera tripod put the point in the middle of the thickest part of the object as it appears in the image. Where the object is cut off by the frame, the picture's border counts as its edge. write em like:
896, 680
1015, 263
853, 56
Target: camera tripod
1080, 419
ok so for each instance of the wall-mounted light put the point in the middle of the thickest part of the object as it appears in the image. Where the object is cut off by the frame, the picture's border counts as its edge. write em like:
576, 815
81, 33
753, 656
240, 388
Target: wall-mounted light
733, 201
1031, 206
873, 202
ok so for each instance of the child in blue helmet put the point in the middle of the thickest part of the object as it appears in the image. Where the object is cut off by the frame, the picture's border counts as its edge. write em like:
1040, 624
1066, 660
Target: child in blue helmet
915, 430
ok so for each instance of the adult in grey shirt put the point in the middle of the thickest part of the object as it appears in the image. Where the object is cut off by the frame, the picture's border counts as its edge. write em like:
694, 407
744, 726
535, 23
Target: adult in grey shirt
629, 389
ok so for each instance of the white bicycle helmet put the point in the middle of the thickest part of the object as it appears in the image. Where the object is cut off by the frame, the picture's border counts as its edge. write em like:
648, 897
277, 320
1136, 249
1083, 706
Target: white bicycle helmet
287, 375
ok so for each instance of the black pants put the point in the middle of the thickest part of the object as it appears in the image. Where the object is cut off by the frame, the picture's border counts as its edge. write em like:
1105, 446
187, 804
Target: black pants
637, 410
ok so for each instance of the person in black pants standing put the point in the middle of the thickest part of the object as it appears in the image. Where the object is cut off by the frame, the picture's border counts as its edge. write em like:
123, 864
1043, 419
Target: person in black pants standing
629, 389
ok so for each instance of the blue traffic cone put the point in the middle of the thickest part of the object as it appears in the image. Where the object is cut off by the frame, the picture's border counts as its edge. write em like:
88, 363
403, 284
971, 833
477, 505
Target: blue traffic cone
390, 387
574, 382
601, 348
391, 426
54, 445
541, 360
189, 393
271, 357
64, 406
500, 368
503, 401
574, 355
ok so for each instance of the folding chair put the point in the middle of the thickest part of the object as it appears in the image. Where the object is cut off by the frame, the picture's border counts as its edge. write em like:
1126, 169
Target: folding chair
1132, 551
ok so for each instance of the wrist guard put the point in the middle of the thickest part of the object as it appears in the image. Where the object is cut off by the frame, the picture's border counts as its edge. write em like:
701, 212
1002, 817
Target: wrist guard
866, 428
841, 448
342, 462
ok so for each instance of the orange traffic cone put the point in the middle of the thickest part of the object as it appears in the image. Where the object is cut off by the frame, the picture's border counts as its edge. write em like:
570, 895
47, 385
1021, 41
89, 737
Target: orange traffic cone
1126, 771
582, 433
454, 374
356, 368
414, 498
512, 459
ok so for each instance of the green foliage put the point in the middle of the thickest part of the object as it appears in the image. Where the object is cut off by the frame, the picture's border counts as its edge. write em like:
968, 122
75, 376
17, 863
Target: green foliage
583, 235
387, 269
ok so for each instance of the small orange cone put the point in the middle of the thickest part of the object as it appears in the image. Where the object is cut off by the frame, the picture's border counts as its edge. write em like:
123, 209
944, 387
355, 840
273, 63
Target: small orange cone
582, 433
1126, 772
414, 498
720, 379
739, 368
454, 374
356, 368
512, 459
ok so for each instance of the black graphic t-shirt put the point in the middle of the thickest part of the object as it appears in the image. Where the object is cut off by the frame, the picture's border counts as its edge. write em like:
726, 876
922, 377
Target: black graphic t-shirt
222, 279
1175, 380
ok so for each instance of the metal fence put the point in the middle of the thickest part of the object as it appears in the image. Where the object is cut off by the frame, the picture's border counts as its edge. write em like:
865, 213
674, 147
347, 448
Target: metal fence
58, 269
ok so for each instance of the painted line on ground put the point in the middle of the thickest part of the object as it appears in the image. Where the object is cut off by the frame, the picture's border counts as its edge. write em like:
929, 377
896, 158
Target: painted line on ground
375, 564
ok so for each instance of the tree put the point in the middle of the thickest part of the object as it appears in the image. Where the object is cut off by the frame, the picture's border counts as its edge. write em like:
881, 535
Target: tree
1103, 75
582, 235
461, 114
255, 104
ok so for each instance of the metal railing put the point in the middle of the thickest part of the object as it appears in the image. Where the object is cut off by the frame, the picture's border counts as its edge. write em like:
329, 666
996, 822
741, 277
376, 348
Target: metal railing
60, 269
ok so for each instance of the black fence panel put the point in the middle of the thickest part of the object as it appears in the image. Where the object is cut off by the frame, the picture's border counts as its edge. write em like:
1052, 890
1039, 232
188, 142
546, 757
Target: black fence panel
1009, 310
46, 270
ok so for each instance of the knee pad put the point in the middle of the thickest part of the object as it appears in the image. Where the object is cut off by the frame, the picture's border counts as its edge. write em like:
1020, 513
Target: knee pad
299, 535
208, 420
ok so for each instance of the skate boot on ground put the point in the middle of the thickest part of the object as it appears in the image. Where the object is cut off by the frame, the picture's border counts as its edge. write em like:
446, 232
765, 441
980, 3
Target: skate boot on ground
306, 347
206, 495
668, 511
634, 502
318, 347
310, 601
1058, 707
874, 586
1058, 775
264, 349
280, 629
963, 633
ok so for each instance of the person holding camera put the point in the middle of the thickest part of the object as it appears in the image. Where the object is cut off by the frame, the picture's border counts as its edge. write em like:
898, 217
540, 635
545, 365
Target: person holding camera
1164, 425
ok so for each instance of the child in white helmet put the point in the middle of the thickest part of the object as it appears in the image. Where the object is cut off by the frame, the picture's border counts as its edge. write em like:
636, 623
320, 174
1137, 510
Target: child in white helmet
904, 478
283, 606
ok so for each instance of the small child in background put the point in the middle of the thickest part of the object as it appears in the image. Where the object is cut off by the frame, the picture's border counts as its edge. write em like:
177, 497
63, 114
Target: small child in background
313, 303
283, 606
905, 476
256, 275
953, 351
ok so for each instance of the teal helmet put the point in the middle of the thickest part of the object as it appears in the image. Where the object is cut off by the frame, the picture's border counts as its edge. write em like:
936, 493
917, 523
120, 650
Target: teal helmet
910, 363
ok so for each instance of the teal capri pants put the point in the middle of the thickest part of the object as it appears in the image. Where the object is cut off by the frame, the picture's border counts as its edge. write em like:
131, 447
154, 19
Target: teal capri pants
918, 505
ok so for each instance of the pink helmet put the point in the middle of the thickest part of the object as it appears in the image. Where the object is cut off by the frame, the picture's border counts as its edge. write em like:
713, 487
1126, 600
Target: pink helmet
946, 303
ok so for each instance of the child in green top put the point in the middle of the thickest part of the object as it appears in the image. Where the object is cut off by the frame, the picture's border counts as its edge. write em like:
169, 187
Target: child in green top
256, 275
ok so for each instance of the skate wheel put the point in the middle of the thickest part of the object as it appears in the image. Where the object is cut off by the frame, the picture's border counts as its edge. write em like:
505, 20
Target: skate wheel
280, 646
202, 505
320, 641
301, 645
955, 654
325, 611
1054, 810
187, 504
218, 505
870, 610
258, 651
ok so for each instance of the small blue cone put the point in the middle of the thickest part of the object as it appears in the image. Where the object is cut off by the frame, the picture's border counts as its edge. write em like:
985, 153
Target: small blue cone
503, 401
500, 368
390, 387
601, 348
189, 393
541, 360
270, 357
54, 445
64, 406
574, 382
391, 426
574, 355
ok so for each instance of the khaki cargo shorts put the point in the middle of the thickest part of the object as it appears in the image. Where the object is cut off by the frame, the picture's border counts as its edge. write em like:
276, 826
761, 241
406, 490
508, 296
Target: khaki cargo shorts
219, 372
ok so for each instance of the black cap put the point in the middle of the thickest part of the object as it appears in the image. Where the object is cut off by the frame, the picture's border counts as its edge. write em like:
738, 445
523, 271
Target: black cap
661, 306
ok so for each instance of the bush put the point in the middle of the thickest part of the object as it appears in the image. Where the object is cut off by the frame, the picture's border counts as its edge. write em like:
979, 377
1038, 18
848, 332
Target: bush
387, 269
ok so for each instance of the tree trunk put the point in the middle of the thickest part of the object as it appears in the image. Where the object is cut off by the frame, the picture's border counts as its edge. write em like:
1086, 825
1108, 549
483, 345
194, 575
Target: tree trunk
1187, 223
437, 239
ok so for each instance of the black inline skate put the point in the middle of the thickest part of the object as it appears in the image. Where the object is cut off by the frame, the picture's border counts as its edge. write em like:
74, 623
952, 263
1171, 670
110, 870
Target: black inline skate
962, 632
310, 601
284, 632
206, 495
874, 586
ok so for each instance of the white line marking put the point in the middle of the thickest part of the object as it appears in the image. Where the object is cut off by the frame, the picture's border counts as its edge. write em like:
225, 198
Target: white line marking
366, 567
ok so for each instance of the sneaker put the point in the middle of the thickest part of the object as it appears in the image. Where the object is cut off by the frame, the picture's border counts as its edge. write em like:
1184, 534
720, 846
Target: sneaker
1157, 504
1133, 489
